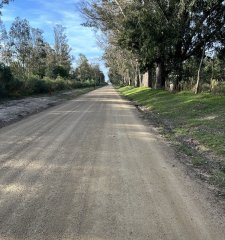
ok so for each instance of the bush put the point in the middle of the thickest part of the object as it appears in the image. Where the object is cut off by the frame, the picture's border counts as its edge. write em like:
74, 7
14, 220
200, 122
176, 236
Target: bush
219, 88
55, 71
9, 86
205, 87
3, 91
41, 86
79, 84
34, 85
61, 84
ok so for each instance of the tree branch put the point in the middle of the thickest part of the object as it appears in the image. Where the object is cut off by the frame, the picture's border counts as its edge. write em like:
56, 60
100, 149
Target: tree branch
121, 10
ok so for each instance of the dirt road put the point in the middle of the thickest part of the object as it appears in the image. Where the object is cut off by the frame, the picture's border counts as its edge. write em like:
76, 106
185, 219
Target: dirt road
91, 169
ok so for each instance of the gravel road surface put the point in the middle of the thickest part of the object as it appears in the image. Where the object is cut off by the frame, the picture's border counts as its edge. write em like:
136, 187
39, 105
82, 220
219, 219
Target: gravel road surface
91, 169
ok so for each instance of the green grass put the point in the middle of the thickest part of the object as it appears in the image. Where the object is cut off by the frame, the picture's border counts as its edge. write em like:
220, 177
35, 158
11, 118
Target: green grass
218, 178
201, 117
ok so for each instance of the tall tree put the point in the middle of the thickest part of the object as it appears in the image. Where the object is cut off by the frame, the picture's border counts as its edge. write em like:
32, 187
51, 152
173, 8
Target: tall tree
62, 49
20, 41
162, 33
5, 47
86, 71
83, 69
38, 52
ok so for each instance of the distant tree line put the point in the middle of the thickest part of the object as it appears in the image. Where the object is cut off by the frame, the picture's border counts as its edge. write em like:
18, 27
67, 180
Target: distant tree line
86, 71
172, 41
29, 64
25, 51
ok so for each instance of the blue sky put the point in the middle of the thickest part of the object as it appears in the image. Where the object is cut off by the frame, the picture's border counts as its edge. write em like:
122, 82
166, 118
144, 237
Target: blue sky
45, 14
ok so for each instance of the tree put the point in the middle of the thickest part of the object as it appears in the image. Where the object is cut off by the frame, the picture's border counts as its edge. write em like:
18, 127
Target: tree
108, 16
2, 3
62, 49
5, 47
38, 53
161, 33
83, 69
86, 71
122, 63
97, 74
20, 41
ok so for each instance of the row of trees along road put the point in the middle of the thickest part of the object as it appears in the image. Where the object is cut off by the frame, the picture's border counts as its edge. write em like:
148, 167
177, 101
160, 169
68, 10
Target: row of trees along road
168, 39
29, 64
24, 49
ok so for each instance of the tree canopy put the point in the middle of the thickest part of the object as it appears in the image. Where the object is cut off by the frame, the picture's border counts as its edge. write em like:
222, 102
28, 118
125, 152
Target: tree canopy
160, 34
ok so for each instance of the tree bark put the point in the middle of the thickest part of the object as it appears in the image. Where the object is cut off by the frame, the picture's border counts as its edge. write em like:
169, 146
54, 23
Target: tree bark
179, 75
160, 75
150, 83
199, 71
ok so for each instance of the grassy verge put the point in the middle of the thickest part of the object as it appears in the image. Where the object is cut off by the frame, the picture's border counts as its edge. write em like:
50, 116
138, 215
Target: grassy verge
199, 119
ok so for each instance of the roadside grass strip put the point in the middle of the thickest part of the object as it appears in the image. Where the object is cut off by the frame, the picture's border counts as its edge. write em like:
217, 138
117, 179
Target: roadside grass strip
200, 117
194, 123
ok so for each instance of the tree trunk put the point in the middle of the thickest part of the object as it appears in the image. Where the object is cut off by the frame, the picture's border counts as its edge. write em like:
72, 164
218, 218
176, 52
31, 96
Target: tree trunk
160, 75
137, 75
179, 75
150, 84
137, 81
212, 75
199, 71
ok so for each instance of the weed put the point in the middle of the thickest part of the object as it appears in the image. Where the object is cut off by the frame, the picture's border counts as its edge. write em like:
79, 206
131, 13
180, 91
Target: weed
218, 178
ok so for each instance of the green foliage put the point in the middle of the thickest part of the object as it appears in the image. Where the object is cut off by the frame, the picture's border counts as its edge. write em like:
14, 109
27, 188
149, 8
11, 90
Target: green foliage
7, 83
86, 71
55, 71
219, 88
35, 85
162, 36
62, 51
31, 66
218, 178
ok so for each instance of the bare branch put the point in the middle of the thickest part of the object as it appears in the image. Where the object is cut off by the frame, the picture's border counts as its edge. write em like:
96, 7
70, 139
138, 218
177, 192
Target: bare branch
121, 10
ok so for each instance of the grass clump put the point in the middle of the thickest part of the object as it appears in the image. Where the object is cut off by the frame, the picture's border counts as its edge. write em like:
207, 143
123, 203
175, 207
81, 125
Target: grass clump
218, 178
198, 161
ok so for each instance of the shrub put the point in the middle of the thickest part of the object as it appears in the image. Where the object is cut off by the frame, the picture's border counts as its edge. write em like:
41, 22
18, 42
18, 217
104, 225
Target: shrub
55, 71
205, 87
61, 84
3, 91
9, 86
41, 86
219, 88
34, 85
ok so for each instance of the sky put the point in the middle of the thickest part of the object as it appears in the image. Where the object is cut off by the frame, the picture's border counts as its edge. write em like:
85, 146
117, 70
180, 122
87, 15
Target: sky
46, 14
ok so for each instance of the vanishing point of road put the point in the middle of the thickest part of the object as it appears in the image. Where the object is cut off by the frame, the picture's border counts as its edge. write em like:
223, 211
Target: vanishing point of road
92, 169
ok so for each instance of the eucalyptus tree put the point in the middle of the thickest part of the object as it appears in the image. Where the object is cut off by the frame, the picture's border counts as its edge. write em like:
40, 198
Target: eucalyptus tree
62, 48
162, 33
108, 16
123, 64
96, 74
82, 71
20, 41
38, 52
85, 71
2, 3
5, 47
201, 27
